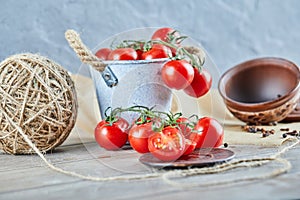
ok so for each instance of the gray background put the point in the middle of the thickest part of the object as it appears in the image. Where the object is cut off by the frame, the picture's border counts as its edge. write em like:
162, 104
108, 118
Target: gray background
231, 31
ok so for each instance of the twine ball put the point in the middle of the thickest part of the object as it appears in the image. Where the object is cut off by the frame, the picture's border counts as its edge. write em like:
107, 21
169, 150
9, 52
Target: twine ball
38, 97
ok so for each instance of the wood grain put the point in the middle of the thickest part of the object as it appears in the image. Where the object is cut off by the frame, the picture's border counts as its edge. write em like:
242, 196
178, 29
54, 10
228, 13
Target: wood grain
27, 177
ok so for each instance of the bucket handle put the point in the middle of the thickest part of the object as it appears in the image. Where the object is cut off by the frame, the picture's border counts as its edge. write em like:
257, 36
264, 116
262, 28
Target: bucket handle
87, 57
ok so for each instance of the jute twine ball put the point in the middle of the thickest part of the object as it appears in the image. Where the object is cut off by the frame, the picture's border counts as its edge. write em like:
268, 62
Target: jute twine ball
37, 98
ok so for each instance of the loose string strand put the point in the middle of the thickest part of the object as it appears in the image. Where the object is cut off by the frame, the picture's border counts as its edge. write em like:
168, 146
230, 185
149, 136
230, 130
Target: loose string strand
168, 175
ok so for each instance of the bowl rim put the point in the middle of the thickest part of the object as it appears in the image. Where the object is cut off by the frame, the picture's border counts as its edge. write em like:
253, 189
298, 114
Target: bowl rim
242, 106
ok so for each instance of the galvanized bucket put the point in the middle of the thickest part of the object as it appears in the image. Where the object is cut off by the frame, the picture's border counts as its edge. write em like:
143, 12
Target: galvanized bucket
129, 83
124, 83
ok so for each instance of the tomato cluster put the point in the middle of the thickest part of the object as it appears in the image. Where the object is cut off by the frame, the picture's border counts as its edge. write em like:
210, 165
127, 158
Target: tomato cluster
182, 72
166, 138
160, 46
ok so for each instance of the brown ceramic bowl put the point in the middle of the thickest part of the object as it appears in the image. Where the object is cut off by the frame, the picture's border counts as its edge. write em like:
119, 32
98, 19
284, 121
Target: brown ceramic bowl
262, 90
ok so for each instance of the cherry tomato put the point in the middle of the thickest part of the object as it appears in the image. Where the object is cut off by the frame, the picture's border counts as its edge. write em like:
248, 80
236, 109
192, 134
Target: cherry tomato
138, 136
139, 53
123, 54
111, 136
140, 50
190, 146
177, 74
183, 126
103, 53
157, 51
208, 132
200, 84
164, 34
167, 145
167, 35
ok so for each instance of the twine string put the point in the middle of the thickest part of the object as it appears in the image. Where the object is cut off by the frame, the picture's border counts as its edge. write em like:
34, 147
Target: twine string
169, 176
85, 55
38, 95
253, 162
51, 166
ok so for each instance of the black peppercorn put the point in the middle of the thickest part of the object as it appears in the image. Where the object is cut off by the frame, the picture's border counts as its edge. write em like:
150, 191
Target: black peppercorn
266, 134
293, 133
284, 129
252, 129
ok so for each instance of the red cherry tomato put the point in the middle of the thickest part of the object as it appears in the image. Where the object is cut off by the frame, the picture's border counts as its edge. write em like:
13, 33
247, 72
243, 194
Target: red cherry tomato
139, 53
190, 146
167, 145
183, 126
123, 54
208, 132
111, 136
177, 74
157, 51
164, 34
140, 50
122, 124
103, 53
138, 136
167, 35
200, 84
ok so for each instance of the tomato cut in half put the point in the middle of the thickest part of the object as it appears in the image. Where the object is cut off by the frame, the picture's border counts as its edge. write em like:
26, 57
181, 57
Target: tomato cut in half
167, 145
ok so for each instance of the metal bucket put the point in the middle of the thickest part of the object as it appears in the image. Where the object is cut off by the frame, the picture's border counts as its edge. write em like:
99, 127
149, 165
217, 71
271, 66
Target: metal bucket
139, 82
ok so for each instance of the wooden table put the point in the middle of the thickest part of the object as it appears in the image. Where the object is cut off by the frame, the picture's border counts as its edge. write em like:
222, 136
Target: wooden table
27, 177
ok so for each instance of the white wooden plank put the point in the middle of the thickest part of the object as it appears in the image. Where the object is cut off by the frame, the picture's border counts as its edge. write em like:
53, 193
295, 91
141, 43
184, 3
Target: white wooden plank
36, 180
